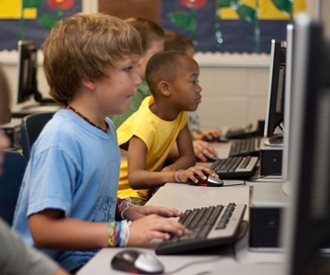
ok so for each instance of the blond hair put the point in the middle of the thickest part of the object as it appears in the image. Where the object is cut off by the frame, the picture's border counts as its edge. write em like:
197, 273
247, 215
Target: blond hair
83, 46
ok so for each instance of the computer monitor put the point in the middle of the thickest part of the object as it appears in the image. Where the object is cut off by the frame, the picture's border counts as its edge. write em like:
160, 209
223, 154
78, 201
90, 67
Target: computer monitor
288, 100
27, 73
308, 222
275, 104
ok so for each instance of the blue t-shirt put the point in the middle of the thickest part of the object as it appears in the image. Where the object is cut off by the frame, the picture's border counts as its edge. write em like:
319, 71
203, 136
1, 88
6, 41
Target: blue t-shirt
73, 167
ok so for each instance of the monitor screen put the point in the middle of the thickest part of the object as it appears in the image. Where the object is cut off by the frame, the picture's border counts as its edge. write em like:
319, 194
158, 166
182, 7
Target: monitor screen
308, 221
27, 74
275, 105
27, 71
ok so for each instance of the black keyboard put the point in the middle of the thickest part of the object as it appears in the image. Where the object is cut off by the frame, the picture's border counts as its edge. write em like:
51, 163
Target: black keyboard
235, 167
241, 133
209, 227
245, 147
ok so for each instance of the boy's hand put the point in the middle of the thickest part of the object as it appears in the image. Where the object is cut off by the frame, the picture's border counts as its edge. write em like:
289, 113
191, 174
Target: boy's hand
135, 212
153, 227
201, 171
203, 150
209, 134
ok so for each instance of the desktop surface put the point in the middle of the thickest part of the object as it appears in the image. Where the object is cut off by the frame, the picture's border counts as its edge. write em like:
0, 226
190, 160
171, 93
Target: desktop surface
222, 260
19, 113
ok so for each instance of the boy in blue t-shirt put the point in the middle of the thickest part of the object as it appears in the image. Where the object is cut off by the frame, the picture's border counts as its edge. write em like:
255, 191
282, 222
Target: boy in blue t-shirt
68, 200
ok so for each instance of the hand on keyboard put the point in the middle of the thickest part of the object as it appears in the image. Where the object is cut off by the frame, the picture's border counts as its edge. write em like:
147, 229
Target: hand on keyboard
209, 227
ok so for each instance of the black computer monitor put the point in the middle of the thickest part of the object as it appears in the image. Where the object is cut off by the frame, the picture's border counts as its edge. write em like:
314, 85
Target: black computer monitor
275, 104
27, 73
308, 222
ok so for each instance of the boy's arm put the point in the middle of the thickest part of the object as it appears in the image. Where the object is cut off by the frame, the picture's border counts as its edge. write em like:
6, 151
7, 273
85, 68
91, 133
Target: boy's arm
138, 176
185, 149
50, 229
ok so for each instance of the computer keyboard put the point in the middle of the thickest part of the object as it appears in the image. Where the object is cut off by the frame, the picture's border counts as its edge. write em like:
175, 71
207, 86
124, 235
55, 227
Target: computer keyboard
235, 167
240, 132
209, 227
245, 147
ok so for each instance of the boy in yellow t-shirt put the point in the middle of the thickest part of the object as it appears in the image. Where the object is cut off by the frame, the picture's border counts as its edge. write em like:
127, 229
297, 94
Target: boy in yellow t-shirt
148, 135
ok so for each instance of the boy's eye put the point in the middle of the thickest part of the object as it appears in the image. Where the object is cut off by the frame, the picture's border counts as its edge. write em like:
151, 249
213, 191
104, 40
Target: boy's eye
195, 82
128, 69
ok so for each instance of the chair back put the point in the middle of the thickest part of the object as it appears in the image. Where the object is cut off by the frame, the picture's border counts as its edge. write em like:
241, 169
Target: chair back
10, 183
30, 129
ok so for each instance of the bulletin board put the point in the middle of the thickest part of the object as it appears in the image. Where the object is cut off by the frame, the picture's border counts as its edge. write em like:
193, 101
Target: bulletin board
235, 26
31, 19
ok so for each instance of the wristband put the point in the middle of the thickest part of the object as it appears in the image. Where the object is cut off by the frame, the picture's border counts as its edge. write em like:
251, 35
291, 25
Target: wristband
177, 175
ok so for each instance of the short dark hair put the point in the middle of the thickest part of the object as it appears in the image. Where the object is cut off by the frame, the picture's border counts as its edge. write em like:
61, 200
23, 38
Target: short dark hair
162, 66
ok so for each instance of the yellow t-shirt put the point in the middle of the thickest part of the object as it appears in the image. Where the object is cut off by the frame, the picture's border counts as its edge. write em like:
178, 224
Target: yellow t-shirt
157, 134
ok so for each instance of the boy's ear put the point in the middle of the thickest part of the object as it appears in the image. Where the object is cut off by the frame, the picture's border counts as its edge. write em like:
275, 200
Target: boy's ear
88, 83
165, 88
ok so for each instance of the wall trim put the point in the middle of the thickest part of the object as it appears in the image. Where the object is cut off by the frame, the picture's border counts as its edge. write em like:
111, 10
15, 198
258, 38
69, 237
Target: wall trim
204, 59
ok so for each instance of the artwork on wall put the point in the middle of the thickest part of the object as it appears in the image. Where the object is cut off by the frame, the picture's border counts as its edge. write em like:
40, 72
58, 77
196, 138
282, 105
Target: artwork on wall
31, 19
231, 25
235, 26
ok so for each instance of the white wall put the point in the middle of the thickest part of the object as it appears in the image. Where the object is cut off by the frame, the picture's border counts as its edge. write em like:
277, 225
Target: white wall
234, 86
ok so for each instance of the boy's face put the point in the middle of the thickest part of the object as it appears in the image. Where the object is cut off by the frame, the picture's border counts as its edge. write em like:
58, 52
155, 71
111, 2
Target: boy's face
155, 47
186, 89
115, 91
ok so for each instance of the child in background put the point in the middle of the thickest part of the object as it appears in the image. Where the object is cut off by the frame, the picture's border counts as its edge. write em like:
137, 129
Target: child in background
148, 135
13, 249
181, 43
68, 200
152, 36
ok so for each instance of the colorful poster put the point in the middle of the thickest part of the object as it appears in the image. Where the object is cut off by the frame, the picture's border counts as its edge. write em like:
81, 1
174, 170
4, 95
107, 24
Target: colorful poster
231, 25
31, 19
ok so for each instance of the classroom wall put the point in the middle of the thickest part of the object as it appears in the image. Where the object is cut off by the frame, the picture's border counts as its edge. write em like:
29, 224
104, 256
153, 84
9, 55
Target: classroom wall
234, 86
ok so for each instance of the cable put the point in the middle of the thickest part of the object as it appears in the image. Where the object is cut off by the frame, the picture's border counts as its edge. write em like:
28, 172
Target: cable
194, 263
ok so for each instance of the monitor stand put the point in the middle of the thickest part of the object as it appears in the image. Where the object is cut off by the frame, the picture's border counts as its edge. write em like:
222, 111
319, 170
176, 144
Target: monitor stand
286, 188
275, 140
43, 101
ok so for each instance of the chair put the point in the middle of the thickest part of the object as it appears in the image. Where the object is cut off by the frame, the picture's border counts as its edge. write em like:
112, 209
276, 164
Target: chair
30, 129
10, 183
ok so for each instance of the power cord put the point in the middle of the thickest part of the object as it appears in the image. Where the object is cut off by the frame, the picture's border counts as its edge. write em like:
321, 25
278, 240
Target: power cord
189, 264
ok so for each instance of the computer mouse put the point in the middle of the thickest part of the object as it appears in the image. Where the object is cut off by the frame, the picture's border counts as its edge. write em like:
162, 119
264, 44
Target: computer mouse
223, 139
208, 159
137, 262
210, 181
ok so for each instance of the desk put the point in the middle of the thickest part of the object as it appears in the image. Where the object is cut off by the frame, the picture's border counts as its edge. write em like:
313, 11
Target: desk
182, 197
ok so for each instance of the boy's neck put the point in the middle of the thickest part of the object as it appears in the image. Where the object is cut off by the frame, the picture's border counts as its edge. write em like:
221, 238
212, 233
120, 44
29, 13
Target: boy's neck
164, 111
88, 113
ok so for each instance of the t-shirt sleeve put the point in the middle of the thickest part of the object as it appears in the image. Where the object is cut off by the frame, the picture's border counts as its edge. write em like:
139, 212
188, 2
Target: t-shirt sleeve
52, 175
